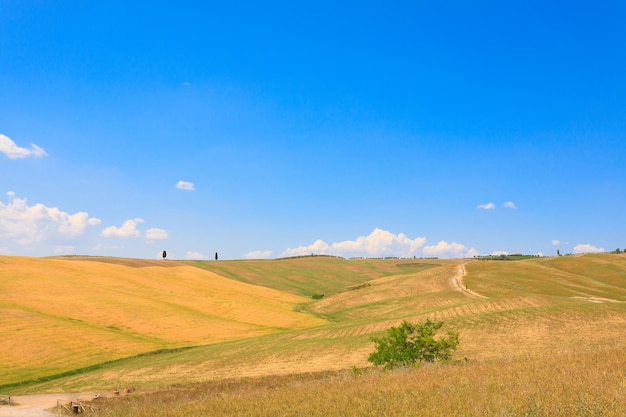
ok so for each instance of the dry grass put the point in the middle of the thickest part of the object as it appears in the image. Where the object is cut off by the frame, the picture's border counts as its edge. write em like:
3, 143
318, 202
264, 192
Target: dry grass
589, 276
587, 383
515, 323
541, 342
311, 275
62, 314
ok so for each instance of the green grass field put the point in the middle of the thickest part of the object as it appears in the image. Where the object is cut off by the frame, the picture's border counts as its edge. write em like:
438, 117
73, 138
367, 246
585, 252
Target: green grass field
256, 321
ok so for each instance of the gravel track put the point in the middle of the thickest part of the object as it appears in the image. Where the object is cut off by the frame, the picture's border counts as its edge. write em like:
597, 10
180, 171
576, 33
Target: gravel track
36, 405
457, 281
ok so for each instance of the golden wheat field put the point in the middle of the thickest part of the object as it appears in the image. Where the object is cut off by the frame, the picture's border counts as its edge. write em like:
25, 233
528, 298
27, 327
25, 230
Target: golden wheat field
542, 336
62, 314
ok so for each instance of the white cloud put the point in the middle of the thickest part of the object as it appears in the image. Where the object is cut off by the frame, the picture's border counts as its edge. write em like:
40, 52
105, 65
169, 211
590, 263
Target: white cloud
185, 83
488, 206
128, 229
185, 185
12, 151
156, 234
317, 247
31, 224
94, 221
509, 204
379, 243
559, 242
195, 255
499, 252
587, 248
446, 249
258, 254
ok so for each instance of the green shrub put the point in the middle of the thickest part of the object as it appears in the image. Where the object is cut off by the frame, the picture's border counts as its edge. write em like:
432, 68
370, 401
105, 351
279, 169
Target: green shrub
410, 343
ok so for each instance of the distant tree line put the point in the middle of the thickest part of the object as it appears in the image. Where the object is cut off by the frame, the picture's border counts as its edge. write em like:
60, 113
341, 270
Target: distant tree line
504, 257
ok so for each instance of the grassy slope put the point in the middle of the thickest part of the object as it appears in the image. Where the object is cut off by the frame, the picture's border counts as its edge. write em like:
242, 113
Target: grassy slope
532, 307
563, 385
312, 274
62, 314
590, 276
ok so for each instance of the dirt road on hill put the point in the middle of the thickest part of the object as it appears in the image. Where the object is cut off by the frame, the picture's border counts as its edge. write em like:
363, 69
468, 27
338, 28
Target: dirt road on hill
36, 405
457, 281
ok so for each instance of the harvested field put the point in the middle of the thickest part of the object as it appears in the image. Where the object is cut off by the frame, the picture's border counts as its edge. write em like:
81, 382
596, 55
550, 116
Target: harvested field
61, 314
525, 309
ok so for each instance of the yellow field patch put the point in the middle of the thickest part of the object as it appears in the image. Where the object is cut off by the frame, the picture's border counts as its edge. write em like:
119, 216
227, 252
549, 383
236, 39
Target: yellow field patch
59, 314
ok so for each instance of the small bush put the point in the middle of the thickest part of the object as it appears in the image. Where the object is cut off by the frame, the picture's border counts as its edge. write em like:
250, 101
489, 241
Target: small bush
410, 343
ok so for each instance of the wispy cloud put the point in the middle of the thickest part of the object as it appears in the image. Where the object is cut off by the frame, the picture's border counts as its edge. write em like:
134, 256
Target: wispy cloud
492, 206
559, 242
32, 224
12, 151
64, 250
185, 185
195, 255
128, 229
156, 234
587, 248
258, 254
103, 247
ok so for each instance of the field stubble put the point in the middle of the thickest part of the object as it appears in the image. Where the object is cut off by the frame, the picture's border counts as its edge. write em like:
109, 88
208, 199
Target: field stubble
586, 383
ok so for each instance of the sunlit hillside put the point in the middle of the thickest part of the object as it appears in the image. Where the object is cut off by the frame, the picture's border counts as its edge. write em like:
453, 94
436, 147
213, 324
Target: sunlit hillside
313, 275
62, 314
242, 326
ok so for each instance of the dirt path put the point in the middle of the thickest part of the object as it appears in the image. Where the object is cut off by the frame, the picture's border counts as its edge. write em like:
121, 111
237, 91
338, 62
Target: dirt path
36, 405
457, 281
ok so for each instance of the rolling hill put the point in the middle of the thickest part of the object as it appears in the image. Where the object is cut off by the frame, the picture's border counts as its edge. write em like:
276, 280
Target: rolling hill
254, 318
62, 314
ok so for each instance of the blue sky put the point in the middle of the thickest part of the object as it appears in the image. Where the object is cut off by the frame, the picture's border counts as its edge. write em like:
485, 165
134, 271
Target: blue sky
269, 129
